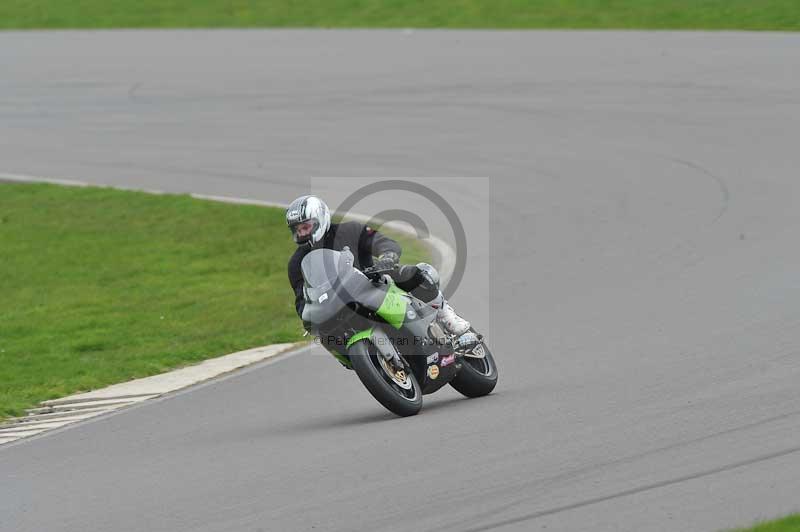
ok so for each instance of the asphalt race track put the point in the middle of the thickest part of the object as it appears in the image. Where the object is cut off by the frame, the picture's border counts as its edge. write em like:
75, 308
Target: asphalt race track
633, 253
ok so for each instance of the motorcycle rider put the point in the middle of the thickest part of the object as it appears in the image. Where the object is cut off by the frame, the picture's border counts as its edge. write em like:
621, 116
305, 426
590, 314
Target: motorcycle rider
309, 220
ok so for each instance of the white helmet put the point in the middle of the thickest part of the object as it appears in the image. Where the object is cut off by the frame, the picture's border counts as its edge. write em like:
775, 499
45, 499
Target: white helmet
304, 210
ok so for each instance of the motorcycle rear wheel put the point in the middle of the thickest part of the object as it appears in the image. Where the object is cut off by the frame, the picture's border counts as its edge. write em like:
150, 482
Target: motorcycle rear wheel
477, 376
400, 396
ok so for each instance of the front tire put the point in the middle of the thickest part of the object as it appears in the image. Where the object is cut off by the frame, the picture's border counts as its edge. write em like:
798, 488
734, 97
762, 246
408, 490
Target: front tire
402, 398
478, 376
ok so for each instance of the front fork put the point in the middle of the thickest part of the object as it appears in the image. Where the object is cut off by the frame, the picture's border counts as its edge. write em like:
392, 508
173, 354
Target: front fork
386, 348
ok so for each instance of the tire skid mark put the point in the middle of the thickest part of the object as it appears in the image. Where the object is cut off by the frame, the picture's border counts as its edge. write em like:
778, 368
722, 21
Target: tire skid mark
634, 491
723, 187
574, 474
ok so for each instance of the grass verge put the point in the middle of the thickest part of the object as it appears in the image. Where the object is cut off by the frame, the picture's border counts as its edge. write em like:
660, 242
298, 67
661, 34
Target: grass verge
787, 524
99, 286
629, 14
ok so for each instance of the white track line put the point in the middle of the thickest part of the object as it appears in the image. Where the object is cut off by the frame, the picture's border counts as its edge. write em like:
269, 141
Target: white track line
446, 255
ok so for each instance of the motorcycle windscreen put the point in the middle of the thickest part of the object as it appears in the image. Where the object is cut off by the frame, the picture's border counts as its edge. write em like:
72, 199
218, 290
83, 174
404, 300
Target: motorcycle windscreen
330, 274
322, 270
331, 280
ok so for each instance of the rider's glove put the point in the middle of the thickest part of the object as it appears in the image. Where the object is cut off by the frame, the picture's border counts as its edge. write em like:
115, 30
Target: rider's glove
310, 328
387, 261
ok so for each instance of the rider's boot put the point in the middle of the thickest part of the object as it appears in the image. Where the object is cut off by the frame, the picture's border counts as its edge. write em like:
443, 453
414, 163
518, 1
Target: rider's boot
453, 323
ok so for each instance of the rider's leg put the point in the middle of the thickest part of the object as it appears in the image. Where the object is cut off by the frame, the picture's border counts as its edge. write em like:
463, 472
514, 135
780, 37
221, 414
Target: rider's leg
413, 279
422, 281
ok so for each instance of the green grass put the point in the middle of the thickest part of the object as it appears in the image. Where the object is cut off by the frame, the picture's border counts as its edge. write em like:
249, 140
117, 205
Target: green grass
787, 524
651, 14
99, 286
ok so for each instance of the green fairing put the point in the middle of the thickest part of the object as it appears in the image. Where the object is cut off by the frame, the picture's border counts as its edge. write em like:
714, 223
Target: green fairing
393, 308
359, 336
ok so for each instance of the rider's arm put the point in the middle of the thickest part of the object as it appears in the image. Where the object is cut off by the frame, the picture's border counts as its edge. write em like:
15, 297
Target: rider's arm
375, 244
296, 280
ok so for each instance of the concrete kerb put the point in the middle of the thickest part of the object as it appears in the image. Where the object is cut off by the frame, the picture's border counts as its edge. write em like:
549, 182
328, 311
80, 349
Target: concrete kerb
84, 406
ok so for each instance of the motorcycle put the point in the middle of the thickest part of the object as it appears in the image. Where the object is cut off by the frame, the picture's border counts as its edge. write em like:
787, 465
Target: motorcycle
387, 336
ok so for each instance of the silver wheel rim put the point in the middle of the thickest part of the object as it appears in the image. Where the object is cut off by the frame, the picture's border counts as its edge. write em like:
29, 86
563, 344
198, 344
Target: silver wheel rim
476, 359
476, 352
405, 383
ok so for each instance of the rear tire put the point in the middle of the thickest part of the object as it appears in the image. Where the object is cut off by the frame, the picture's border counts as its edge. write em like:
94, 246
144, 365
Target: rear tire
365, 359
478, 376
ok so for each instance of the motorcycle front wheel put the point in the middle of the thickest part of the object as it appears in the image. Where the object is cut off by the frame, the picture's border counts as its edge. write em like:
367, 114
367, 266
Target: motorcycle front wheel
398, 391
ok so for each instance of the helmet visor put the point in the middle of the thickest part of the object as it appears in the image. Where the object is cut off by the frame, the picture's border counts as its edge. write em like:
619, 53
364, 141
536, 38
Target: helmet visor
303, 231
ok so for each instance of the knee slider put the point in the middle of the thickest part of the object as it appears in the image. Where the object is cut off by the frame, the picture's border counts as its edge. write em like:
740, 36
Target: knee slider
429, 275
